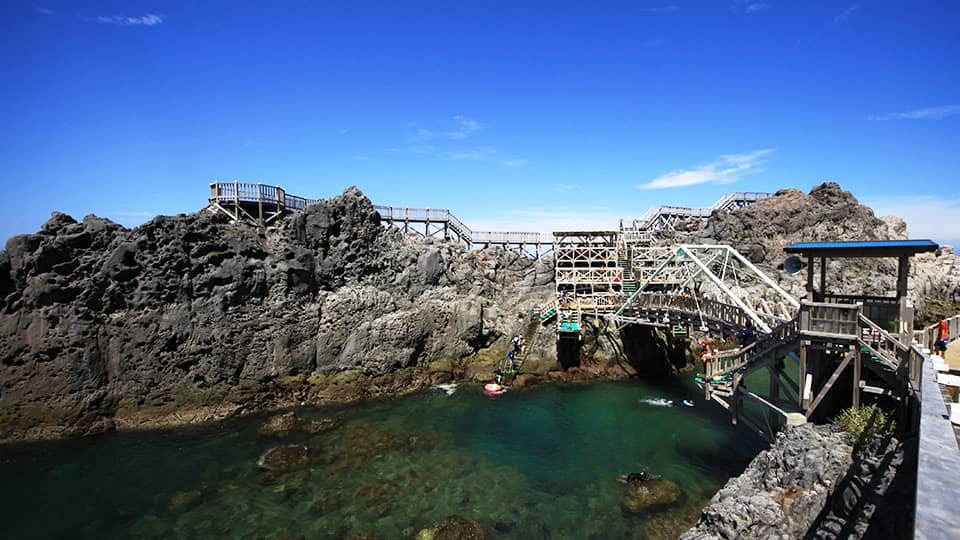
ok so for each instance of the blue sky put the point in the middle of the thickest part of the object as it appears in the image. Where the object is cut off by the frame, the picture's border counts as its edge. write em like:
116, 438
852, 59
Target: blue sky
516, 115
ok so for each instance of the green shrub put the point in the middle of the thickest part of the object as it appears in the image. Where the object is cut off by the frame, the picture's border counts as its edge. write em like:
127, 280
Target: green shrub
863, 424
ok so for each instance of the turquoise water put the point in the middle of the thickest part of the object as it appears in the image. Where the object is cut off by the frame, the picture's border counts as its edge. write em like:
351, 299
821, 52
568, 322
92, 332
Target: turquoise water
542, 462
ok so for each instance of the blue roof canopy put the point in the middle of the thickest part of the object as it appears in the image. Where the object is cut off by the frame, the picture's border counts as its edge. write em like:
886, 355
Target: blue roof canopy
870, 248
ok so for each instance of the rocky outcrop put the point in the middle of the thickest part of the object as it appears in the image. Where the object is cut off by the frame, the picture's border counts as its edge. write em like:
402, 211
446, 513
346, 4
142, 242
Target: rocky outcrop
102, 325
828, 213
875, 498
782, 491
191, 317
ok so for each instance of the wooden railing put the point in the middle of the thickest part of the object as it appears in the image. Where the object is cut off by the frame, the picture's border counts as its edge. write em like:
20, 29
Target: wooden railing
928, 335
883, 310
466, 234
247, 192
880, 341
724, 362
589, 275
819, 319
709, 309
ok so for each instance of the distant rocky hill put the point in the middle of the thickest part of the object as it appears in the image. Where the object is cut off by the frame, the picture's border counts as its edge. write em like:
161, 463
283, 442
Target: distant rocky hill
191, 317
828, 213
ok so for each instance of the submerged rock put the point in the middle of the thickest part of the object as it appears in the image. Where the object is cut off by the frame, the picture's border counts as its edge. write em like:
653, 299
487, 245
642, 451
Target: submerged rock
649, 496
454, 528
285, 458
184, 500
287, 424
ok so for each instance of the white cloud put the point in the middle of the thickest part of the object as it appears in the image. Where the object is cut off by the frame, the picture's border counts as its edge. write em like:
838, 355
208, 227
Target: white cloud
757, 6
926, 216
729, 168
463, 127
931, 113
565, 188
123, 20
846, 13
43, 11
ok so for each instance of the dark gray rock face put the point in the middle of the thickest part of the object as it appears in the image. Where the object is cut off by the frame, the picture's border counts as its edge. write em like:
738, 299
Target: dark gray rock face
782, 491
191, 310
875, 498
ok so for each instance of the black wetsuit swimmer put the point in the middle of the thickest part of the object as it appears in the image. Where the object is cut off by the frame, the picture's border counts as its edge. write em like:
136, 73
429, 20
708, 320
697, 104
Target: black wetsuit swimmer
641, 476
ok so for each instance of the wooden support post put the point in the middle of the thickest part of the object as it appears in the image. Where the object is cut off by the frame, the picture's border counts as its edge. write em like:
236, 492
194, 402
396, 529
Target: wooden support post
236, 200
260, 205
802, 379
829, 384
810, 297
823, 279
856, 378
774, 381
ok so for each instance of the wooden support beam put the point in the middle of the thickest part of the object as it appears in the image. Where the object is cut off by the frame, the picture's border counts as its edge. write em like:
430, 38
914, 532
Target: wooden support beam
762, 401
829, 384
879, 391
856, 379
823, 279
802, 389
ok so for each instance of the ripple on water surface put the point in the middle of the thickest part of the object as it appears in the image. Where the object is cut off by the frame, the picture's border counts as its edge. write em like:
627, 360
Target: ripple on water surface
540, 463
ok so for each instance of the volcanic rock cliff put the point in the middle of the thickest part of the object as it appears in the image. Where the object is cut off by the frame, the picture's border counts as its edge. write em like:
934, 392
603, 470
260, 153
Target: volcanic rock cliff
102, 324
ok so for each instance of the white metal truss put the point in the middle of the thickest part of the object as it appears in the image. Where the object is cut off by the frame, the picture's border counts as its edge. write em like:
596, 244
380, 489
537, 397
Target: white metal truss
720, 273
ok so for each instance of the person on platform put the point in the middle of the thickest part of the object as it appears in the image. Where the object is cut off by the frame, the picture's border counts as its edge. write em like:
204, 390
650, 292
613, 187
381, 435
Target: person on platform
943, 337
707, 354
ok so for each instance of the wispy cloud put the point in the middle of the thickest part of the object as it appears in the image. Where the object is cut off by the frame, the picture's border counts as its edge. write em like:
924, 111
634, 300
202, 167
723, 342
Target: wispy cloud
931, 113
842, 17
123, 20
654, 43
463, 127
729, 168
44, 11
661, 9
449, 144
926, 216
754, 7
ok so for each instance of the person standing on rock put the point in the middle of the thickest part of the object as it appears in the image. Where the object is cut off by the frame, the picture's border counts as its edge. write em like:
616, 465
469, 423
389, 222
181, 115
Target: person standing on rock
943, 337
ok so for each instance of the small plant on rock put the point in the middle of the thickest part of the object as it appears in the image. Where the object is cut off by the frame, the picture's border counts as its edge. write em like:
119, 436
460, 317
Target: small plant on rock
863, 424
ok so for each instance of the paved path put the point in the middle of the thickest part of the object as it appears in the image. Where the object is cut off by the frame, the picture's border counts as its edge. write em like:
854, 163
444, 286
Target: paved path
953, 355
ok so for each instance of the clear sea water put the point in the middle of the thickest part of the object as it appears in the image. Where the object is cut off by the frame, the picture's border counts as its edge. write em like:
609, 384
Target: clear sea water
542, 462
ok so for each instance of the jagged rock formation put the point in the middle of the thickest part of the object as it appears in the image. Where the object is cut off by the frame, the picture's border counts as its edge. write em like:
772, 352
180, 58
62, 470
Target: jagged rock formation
782, 491
827, 214
190, 311
875, 498
192, 315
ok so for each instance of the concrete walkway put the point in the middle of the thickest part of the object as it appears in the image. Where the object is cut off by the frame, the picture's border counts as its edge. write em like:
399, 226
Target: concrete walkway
952, 357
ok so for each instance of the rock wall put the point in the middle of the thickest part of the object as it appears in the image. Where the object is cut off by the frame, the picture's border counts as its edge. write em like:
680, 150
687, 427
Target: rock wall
99, 323
782, 491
